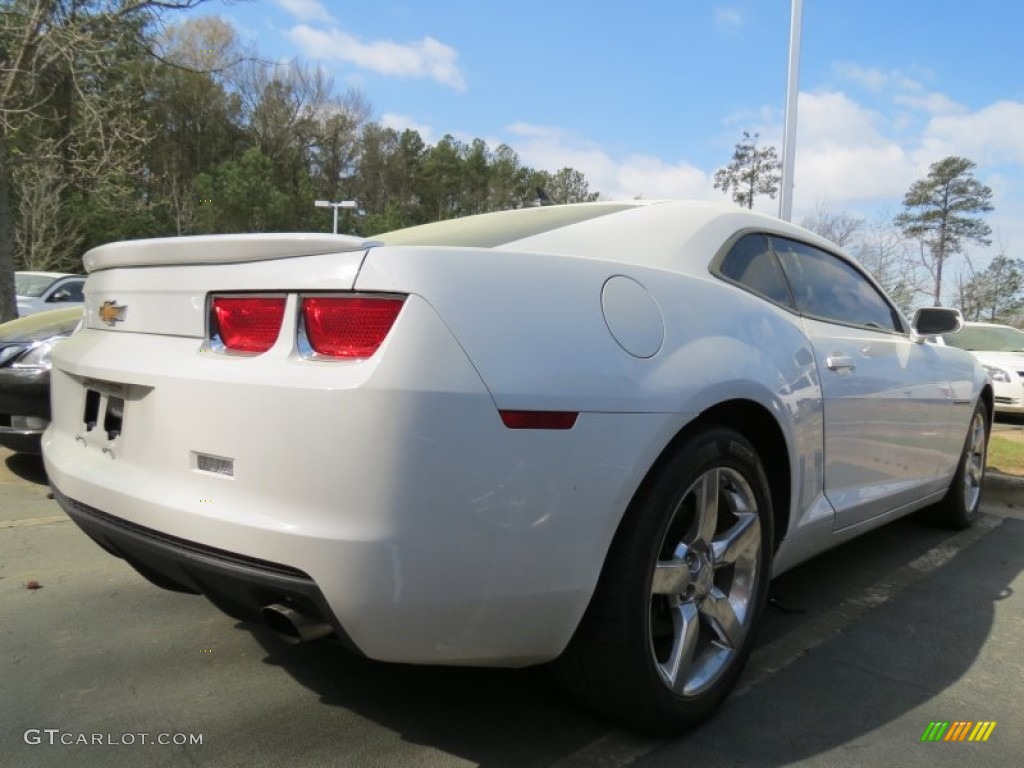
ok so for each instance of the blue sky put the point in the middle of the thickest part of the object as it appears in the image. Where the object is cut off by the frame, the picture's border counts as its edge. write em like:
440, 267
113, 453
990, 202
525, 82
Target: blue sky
648, 98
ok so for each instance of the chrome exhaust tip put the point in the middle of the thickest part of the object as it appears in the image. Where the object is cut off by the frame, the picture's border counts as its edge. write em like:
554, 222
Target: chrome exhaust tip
292, 626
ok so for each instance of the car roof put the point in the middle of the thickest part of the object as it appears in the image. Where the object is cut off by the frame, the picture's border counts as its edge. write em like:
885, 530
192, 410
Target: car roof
980, 324
670, 234
665, 233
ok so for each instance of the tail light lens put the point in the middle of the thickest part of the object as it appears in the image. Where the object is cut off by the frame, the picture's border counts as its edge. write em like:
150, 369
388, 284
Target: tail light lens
539, 419
247, 323
348, 326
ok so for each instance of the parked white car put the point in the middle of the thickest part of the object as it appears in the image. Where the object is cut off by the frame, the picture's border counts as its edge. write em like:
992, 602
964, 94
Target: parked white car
588, 433
42, 291
1000, 348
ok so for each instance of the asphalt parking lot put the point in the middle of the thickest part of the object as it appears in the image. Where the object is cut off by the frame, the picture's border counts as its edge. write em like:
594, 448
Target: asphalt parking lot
861, 649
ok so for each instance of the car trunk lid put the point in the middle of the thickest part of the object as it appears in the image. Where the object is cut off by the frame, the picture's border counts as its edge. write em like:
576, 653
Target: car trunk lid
162, 286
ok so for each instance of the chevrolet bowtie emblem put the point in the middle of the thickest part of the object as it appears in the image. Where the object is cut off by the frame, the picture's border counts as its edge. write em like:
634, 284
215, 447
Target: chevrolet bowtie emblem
111, 312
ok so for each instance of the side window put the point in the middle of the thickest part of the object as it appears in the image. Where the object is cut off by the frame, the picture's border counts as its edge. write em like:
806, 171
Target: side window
69, 291
74, 289
751, 263
828, 288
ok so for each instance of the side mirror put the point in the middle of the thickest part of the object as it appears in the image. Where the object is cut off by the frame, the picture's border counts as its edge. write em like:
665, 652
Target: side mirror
935, 321
62, 294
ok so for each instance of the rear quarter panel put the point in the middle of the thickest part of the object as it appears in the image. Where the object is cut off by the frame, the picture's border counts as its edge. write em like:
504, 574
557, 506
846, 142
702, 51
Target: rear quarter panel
532, 325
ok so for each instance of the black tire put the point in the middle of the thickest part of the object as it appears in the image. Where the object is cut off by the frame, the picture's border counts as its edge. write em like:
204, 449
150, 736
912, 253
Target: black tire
672, 620
960, 506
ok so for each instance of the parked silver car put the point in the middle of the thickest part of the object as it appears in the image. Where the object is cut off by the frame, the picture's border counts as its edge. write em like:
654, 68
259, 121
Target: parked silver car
40, 291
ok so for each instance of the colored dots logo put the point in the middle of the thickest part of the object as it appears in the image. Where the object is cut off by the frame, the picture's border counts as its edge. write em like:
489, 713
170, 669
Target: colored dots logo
959, 730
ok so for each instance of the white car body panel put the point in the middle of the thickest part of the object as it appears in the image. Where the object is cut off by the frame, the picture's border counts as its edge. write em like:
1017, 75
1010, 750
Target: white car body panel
172, 301
1009, 394
217, 249
435, 533
353, 522
887, 419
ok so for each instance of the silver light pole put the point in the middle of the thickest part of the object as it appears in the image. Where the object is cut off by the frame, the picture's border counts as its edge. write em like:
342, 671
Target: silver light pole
335, 206
792, 90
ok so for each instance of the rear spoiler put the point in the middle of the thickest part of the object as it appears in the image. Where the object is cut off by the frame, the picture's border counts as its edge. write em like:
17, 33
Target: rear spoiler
219, 249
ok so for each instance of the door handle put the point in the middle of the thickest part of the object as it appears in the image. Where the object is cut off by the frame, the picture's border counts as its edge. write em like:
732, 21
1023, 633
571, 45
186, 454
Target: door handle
840, 363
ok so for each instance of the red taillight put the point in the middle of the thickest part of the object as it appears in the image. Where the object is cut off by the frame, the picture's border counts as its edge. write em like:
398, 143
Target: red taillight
248, 324
539, 419
348, 326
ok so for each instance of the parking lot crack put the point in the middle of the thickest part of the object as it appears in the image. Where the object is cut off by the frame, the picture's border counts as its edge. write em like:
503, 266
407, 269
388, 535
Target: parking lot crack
29, 522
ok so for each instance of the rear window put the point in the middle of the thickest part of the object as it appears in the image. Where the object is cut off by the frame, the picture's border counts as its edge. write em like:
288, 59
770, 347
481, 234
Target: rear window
751, 263
489, 230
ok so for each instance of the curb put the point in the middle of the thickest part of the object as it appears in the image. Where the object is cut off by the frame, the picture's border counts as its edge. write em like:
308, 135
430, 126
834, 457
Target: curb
1003, 489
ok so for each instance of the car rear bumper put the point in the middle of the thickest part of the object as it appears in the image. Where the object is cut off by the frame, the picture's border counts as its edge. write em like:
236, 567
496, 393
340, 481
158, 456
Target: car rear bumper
432, 532
240, 586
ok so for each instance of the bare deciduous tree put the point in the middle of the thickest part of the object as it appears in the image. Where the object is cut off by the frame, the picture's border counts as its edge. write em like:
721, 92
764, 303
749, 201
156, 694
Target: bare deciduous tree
996, 293
891, 258
40, 230
67, 104
840, 228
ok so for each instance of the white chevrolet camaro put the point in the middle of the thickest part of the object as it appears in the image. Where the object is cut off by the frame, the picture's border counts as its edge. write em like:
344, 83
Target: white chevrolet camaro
586, 433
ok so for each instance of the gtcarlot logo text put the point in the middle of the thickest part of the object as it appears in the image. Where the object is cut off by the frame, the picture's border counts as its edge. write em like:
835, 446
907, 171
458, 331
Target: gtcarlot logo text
70, 738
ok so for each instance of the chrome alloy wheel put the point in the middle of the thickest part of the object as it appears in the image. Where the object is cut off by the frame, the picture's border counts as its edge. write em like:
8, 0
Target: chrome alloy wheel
704, 586
974, 461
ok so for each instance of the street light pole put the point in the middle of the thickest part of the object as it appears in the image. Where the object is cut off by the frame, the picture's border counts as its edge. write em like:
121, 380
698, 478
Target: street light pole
792, 90
335, 206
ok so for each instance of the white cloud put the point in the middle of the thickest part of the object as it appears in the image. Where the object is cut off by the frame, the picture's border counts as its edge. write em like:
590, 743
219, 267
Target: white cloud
727, 17
403, 122
529, 131
875, 80
933, 103
847, 153
991, 136
548, 148
306, 10
900, 88
850, 174
863, 160
426, 58
833, 117
932, 124
653, 178
842, 154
